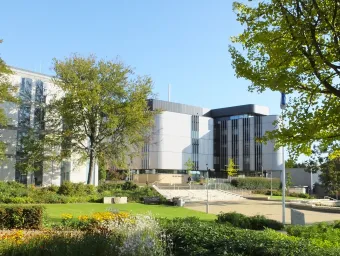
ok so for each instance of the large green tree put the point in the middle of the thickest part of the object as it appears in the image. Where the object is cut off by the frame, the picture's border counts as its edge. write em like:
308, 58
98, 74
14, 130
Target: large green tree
293, 46
104, 109
6, 95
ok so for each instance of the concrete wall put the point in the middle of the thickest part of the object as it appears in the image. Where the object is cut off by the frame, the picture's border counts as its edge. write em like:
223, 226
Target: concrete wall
299, 176
171, 144
271, 158
161, 178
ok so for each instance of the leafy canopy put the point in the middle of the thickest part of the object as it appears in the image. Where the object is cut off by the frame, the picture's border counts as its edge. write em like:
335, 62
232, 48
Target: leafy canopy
7, 95
104, 109
292, 46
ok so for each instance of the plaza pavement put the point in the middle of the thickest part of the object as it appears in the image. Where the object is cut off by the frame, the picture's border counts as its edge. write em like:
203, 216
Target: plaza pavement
270, 209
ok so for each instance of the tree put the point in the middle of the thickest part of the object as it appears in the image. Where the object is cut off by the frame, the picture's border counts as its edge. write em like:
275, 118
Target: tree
289, 181
330, 176
328, 165
36, 150
7, 91
290, 163
292, 46
231, 168
189, 166
104, 109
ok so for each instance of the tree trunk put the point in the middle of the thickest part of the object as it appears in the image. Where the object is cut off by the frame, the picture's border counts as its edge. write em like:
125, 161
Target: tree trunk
89, 177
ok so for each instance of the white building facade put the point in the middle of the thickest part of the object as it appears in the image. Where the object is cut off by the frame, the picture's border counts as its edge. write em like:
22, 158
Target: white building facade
34, 90
209, 138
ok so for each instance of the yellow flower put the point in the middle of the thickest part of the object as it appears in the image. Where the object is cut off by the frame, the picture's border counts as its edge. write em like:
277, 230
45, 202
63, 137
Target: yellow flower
66, 216
83, 218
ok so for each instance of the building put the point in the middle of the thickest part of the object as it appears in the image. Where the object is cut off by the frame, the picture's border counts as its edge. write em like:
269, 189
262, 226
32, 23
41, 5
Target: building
34, 90
209, 137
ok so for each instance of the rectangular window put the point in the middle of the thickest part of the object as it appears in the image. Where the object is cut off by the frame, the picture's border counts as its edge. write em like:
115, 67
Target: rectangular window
39, 92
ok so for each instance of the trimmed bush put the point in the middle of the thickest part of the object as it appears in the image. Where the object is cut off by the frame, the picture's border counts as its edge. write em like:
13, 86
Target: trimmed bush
16, 193
257, 222
21, 217
194, 237
253, 183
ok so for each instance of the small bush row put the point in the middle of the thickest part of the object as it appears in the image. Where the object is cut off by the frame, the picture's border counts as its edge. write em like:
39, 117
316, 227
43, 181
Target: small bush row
16, 193
253, 183
194, 237
279, 193
257, 222
21, 217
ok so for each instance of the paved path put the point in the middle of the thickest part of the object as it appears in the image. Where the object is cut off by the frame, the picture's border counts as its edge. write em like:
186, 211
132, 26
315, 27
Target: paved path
270, 209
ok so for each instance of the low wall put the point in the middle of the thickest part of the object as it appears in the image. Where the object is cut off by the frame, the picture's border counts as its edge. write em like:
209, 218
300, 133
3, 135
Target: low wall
165, 178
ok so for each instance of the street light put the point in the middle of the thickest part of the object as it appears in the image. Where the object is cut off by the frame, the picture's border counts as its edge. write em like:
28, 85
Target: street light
207, 185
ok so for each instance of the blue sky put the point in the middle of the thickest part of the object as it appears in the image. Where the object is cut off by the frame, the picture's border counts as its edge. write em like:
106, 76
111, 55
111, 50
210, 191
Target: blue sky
184, 43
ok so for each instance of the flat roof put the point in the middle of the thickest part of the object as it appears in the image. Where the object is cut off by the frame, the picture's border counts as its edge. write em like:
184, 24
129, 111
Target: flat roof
250, 109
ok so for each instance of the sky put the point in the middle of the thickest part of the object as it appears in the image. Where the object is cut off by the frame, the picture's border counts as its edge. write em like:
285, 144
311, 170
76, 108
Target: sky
182, 43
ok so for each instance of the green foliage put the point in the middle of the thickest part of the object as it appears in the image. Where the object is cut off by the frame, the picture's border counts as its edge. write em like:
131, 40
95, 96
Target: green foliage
231, 169
189, 166
289, 181
256, 222
193, 237
293, 47
129, 186
16, 193
7, 92
105, 104
21, 217
255, 183
76, 189
318, 233
279, 193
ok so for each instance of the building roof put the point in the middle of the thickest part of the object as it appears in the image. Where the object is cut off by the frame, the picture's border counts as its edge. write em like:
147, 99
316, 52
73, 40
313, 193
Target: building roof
249, 109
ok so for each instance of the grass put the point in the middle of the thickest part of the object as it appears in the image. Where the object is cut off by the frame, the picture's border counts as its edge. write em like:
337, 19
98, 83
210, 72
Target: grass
54, 211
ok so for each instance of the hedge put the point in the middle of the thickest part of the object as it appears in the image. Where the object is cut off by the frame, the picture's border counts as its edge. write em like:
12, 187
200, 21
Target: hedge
257, 222
253, 183
191, 237
21, 217
16, 193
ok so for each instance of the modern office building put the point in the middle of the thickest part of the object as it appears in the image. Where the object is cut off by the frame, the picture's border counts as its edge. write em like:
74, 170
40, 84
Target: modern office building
209, 137
34, 90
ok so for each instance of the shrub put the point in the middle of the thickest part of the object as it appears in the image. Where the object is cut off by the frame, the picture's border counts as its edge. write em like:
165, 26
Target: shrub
129, 186
109, 187
195, 237
76, 189
255, 183
256, 222
24, 217
317, 232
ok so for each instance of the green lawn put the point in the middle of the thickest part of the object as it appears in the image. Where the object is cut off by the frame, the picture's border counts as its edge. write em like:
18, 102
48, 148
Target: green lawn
54, 211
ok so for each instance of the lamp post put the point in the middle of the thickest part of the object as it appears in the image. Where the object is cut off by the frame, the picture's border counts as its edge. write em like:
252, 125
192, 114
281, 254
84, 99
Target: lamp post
207, 184
283, 106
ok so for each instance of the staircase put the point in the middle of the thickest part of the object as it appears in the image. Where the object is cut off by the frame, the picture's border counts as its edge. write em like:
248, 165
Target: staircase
197, 195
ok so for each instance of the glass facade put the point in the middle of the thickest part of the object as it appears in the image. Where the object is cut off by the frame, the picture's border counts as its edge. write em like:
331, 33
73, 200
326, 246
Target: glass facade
228, 131
30, 115
195, 140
